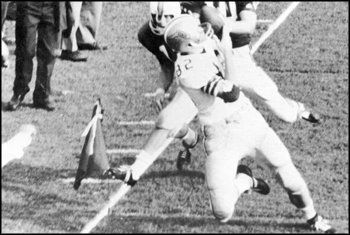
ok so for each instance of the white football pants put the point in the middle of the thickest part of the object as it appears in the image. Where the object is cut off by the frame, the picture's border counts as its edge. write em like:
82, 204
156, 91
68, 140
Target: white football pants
256, 84
244, 134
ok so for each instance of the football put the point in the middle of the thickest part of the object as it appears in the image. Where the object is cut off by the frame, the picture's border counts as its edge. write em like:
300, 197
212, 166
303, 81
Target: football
214, 17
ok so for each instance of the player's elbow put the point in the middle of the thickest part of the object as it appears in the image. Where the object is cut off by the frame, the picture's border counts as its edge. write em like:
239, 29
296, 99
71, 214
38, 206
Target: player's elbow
231, 96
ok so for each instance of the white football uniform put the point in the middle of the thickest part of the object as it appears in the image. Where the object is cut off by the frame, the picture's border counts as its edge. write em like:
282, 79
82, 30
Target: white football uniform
233, 131
253, 80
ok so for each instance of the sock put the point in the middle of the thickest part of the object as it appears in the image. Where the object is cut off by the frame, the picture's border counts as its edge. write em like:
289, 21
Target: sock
309, 212
243, 183
190, 139
142, 162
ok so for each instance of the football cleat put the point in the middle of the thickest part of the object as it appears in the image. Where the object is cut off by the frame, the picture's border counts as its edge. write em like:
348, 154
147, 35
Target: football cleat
15, 102
261, 187
123, 173
183, 159
311, 117
184, 156
305, 114
317, 223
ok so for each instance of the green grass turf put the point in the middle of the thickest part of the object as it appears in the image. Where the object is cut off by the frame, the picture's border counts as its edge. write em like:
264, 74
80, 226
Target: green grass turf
307, 56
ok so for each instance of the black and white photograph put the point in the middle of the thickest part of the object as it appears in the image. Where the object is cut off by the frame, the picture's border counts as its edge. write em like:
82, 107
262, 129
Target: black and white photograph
174, 117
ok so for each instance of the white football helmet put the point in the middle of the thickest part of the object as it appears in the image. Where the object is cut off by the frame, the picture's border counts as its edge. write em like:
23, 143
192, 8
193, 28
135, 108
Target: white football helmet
161, 14
185, 31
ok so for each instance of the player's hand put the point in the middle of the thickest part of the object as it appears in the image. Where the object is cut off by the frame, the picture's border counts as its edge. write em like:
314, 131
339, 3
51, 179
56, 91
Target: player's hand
159, 99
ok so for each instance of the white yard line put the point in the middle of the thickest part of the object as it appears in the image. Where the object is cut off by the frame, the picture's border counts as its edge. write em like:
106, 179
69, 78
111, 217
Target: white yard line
122, 151
150, 95
265, 21
117, 196
90, 181
274, 26
205, 217
131, 123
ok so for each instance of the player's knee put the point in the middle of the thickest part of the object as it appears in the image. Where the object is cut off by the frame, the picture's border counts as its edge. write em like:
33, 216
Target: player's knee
222, 214
165, 121
222, 209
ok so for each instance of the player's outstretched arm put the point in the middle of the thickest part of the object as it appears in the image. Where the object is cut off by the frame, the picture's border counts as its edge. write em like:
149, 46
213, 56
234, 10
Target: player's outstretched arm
165, 80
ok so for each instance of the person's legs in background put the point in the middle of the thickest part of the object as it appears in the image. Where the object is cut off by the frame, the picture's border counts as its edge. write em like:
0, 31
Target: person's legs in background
4, 8
89, 26
48, 42
26, 27
69, 44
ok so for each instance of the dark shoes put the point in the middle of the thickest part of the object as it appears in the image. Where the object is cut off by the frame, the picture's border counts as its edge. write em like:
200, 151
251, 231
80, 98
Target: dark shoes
91, 47
311, 117
184, 155
47, 105
183, 159
261, 187
75, 56
15, 102
318, 223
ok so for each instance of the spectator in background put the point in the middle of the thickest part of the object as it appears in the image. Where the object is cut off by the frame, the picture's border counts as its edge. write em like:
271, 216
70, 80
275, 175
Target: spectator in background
38, 32
90, 17
69, 43
4, 8
4, 49
86, 17
8, 13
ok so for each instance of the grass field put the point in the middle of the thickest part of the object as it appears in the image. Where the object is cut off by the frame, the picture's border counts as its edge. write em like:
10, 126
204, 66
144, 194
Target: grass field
307, 56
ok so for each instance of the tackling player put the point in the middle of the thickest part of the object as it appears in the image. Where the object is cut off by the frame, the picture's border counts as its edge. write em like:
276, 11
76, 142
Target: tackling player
240, 18
232, 127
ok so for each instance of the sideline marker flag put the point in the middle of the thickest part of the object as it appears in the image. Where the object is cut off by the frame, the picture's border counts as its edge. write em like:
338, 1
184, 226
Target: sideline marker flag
93, 161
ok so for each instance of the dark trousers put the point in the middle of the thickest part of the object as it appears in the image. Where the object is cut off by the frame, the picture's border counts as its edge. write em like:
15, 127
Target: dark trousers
36, 34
